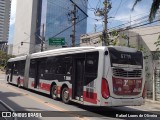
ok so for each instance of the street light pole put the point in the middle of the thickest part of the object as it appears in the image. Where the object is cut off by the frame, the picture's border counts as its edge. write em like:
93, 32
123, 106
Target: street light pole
43, 38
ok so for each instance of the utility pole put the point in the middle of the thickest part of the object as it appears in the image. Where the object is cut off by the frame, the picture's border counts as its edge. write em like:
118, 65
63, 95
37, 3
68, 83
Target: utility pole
73, 20
74, 26
95, 28
105, 32
104, 13
42, 38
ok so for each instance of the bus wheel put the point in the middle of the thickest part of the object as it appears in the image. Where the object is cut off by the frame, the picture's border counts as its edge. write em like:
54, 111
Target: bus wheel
8, 79
65, 95
54, 92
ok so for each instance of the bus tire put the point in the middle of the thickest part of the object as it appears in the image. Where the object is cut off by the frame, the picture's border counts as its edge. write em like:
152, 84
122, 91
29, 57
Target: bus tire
8, 79
54, 92
65, 95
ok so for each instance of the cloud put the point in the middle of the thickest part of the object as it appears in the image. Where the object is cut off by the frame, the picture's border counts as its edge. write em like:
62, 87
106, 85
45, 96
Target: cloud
92, 21
127, 14
13, 11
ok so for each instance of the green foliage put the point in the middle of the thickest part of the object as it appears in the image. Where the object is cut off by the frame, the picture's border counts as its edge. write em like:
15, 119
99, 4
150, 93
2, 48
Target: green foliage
136, 1
125, 36
114, 33
115, 36
154, 8
157, 43
4, 58
114, 42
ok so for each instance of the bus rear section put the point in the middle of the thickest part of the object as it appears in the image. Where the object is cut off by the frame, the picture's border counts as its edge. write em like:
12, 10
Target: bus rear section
123, 81
15, 70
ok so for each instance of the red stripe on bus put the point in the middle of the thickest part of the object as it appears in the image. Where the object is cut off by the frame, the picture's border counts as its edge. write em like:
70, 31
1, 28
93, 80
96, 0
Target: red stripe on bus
89, 99
58, 89
44, 86
32, 84
70, 92
21, 81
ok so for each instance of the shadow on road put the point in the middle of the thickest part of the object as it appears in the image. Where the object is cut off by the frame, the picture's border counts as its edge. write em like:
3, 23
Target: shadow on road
102, 112
6, 98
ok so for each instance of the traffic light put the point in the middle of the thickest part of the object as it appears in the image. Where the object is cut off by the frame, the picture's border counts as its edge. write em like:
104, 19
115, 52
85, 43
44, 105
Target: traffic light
21, 43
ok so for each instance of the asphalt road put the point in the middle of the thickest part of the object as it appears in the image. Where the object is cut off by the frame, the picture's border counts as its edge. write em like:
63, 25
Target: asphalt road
25, 101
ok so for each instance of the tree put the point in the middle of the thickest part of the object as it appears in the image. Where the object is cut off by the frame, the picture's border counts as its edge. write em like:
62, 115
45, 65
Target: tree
4, 58
154, 8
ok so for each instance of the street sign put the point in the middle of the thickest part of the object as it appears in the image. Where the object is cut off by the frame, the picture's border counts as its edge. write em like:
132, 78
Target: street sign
56, 41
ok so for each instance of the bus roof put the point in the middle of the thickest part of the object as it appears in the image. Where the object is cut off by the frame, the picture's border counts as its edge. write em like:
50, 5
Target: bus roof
124, 48
64, 51
17, 58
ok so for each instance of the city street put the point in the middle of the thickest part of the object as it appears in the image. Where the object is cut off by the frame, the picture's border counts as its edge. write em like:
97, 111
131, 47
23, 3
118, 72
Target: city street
97, 59
23, 100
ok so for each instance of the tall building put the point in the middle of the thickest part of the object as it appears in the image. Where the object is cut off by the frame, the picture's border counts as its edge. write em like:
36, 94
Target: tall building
56, 16
25, 27
59, 19
5, 6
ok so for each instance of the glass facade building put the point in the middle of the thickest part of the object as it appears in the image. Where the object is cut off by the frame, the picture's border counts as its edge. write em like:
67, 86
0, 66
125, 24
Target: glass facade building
57, 17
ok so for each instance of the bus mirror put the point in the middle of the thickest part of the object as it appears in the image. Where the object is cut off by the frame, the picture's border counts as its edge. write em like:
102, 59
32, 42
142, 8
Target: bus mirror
106, 52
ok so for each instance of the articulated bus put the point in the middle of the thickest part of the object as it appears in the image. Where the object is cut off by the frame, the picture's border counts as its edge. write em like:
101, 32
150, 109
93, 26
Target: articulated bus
95, 76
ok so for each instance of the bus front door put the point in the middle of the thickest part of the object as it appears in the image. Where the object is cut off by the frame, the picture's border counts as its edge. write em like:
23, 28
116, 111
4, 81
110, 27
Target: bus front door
11, 72
36, 79
79, 78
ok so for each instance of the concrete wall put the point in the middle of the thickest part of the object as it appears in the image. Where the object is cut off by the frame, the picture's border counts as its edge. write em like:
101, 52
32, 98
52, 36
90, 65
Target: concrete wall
93, 39
25, 27
149, 35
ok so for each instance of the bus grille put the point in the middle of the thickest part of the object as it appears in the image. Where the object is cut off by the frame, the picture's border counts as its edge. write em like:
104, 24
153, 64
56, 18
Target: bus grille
122, 73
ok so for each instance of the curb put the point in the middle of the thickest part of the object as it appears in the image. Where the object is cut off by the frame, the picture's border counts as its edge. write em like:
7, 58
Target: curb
2, 73
151, 101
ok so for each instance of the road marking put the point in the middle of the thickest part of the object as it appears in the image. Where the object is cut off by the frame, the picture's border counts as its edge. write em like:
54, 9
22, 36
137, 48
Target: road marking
47, 104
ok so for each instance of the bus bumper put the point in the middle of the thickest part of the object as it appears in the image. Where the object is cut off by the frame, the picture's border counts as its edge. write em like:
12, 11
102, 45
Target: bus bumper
124, 102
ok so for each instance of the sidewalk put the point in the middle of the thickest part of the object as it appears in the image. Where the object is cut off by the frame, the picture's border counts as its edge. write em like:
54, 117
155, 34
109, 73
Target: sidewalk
1, 72
149, 106
152, 102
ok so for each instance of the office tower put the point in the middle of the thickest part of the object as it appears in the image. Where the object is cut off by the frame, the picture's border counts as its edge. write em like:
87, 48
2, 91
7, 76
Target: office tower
58, 20
5, 6
25, 27
56, 17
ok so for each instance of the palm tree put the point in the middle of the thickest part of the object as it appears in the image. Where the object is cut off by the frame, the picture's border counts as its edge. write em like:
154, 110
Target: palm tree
154, 8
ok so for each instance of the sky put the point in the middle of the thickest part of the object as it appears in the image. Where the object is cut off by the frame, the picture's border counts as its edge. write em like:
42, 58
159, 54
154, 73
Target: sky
120, 13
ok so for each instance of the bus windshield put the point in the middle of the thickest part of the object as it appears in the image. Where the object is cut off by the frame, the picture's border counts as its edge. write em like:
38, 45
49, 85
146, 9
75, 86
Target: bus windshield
126, 59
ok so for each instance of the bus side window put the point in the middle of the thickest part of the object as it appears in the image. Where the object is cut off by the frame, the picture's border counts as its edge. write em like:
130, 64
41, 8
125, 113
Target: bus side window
32, 69
91, 63
64, 65
91, 68
41, 67
69, 70
59, 70
15, 65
